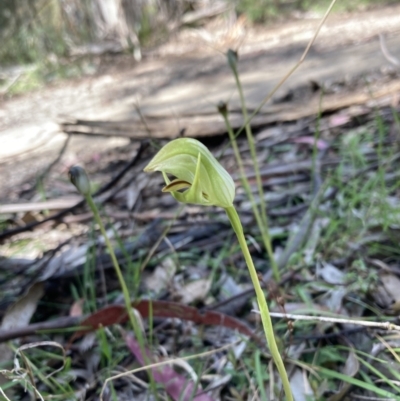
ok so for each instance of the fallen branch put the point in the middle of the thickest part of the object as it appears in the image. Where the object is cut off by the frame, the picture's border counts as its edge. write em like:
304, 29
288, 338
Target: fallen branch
36, 328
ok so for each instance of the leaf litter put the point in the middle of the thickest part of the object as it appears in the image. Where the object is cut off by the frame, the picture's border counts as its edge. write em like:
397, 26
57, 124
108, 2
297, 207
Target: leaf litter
330, 270
332, 188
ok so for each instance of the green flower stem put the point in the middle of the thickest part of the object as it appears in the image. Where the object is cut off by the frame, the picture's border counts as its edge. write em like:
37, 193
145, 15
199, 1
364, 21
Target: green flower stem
262, 303
125, 291
261, 222
250, 139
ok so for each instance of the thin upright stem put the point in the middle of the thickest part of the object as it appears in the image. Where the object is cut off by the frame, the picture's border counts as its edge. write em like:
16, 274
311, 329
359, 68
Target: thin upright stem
250, 139
261, 222
262, 303
125, 291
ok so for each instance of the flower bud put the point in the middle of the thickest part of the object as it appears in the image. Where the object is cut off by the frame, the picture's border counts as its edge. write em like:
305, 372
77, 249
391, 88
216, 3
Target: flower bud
199, 178
79, 178
232, 56
222, 108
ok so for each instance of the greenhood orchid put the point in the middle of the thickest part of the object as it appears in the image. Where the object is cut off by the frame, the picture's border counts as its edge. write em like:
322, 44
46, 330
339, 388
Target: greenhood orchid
199, 178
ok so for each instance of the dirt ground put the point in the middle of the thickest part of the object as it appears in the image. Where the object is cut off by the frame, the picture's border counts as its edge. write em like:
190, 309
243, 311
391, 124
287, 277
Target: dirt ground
187, 77
332, 194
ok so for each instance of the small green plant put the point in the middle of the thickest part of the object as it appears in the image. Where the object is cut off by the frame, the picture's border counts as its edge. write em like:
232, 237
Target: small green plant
200, 179
260, 213
81, 181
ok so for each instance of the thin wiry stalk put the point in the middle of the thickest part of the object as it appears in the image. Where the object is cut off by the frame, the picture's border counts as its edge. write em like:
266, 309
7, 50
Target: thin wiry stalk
232, 61
290, 72
262, 303
245, 182
125, 291
132, 318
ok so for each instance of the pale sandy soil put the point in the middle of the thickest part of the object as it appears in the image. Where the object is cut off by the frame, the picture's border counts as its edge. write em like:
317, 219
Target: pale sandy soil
187, 75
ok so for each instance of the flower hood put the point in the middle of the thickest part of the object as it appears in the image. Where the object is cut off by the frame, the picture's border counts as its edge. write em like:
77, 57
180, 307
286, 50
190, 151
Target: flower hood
198, 176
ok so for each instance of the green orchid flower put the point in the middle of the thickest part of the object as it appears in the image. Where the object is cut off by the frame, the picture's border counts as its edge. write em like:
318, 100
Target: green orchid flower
199, 178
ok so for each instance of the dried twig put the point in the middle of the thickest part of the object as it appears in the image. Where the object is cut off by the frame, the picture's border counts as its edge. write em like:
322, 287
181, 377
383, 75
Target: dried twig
64, 322
377, 325
55, 161
291, 71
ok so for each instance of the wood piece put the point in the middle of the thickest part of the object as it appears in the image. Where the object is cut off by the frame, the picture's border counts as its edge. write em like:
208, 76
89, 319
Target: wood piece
202, 125
53, 204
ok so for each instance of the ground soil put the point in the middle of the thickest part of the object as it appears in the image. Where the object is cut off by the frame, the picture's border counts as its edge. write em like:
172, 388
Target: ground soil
188, 76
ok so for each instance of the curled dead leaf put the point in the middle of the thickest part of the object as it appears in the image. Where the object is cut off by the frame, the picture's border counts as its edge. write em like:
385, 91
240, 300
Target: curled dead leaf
194, 291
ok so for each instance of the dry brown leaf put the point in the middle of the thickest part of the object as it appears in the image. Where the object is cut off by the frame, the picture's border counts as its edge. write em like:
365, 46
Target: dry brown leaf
162, 276
300, 386
29, 217
76, 308
381, 297
19, 315
194, 291
134, 189
392, 285
333, 300
330, 273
